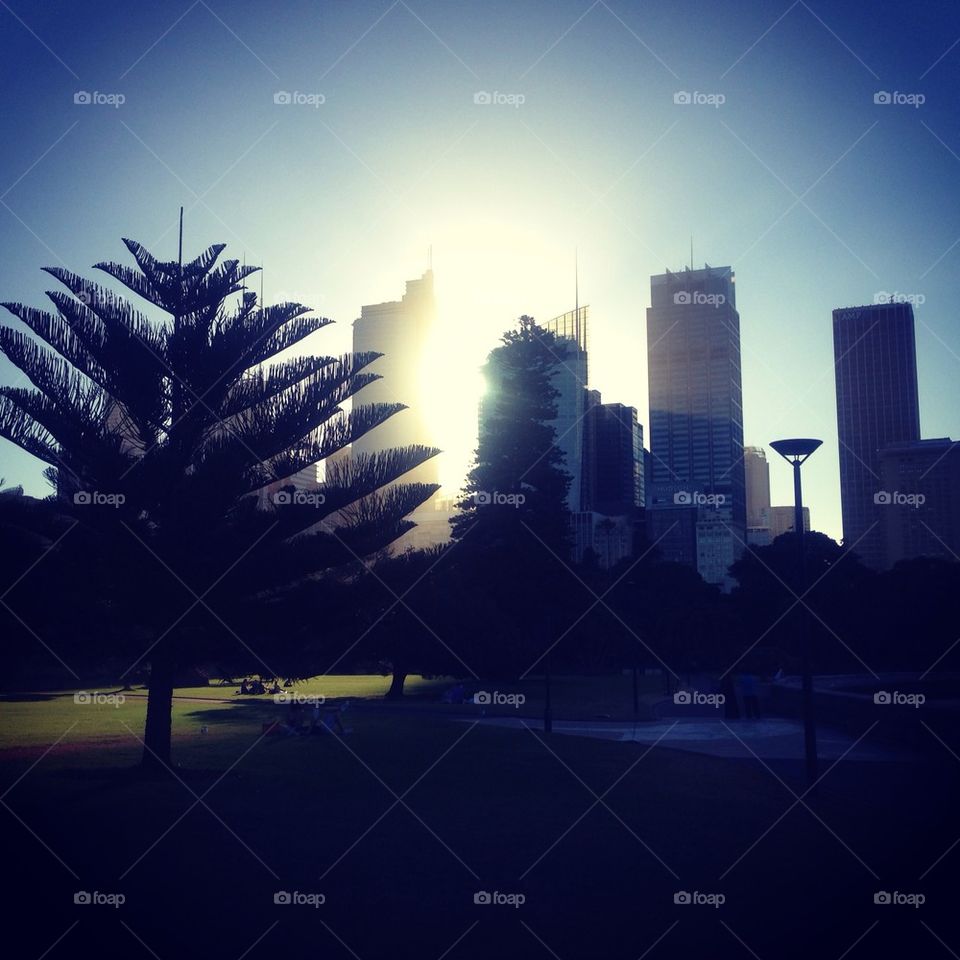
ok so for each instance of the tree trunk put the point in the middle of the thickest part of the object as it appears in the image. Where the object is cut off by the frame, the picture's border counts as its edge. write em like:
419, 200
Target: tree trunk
396, 684
156, 735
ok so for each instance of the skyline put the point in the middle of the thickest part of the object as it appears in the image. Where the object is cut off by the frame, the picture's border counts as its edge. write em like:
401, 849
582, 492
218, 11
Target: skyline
399, 157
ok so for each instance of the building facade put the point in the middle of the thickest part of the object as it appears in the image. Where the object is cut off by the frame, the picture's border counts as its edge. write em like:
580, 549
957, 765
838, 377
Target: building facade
919, 500
399, 330
875, 360
696, 506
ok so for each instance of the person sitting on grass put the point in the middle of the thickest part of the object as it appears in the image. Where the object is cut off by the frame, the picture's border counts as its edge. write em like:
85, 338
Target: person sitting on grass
244, 689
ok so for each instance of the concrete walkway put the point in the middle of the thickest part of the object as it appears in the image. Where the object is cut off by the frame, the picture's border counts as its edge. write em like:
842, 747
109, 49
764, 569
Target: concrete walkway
770, 739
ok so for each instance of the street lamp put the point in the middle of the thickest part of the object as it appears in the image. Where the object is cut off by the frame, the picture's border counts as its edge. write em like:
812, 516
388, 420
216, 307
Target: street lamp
796, 452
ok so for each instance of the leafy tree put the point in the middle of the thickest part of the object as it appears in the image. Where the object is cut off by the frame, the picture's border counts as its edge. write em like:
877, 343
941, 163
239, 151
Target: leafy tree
163, 435
767, 581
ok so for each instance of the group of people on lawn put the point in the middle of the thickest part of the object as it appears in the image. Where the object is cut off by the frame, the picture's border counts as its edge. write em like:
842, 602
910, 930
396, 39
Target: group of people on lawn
257, 686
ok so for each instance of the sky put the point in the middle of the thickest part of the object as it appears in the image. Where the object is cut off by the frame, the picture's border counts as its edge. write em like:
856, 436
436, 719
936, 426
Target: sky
782, 165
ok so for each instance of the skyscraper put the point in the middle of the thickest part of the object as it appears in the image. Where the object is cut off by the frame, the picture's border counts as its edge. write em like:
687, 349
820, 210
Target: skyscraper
757, 476
782, 520
399, 329
570, 381
696, 504
919, 503
613, 459
875, 359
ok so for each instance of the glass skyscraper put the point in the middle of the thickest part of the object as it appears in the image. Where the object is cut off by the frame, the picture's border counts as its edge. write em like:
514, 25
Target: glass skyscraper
696, 504
875, 359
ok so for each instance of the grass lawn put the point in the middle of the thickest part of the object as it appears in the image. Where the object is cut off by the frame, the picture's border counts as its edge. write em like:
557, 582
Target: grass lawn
401, 823
572, 696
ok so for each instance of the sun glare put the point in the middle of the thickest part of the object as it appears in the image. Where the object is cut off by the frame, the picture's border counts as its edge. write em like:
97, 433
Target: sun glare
487, 273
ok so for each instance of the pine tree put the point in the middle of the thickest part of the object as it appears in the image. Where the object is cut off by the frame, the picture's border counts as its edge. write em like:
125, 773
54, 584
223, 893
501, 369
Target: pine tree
513, 531
163, 434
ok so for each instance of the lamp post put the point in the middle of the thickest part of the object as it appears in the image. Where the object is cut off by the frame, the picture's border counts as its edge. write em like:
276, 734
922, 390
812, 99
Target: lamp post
547, 707
796, 452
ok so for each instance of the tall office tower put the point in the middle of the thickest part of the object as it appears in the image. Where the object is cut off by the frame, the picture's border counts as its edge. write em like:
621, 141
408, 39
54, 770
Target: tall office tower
615, 460
399, 330
875, 358
757, 476
696, 501
573, 325
570, 381
919, 503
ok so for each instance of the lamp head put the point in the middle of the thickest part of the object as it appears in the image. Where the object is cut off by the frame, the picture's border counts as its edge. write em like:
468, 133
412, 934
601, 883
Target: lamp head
796, 450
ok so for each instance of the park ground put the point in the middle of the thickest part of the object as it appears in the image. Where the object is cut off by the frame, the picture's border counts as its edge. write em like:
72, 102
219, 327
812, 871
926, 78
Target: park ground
401, 823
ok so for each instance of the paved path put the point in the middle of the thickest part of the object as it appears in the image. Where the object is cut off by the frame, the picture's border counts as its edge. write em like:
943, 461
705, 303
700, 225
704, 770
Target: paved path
769, 739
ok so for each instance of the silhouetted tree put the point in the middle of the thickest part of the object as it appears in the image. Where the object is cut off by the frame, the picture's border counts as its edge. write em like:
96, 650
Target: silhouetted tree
513, 529
163, 435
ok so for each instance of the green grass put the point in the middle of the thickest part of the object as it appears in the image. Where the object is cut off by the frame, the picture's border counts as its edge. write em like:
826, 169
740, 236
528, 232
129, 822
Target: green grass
489, 808
332, 687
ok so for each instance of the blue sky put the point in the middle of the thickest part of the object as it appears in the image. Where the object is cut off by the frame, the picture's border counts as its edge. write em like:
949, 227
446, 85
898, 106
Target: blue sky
816, 195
